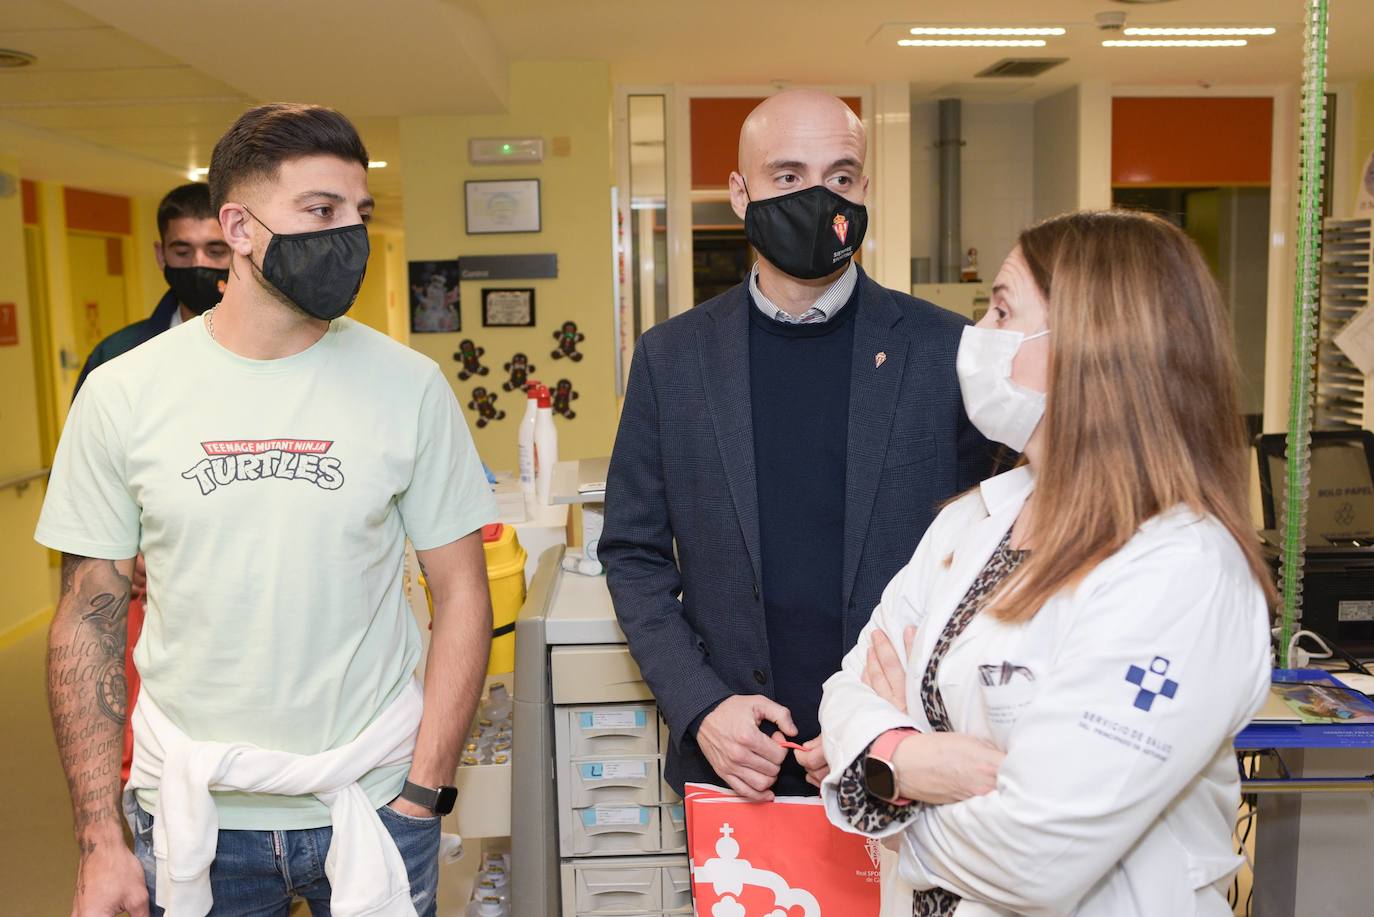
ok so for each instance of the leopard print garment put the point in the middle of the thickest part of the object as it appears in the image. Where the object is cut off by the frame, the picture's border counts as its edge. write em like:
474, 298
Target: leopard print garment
870, 814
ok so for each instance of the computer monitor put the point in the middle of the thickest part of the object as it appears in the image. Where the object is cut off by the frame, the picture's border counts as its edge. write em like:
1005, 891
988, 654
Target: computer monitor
1340, 500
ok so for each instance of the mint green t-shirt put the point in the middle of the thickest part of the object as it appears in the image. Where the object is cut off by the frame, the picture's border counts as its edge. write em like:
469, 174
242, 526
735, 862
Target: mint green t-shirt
272, 500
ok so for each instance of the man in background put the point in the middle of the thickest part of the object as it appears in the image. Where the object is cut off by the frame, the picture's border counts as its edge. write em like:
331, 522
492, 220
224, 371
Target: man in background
193, 257
782, 449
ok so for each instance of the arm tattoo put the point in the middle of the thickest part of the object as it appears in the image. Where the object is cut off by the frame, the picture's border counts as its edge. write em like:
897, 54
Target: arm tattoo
87, 692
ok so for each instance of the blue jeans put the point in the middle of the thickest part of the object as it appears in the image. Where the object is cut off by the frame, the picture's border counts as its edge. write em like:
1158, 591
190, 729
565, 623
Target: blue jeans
259, 873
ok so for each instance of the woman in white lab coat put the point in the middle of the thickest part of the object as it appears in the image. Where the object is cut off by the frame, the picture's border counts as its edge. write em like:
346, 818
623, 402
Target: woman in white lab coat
1039, 716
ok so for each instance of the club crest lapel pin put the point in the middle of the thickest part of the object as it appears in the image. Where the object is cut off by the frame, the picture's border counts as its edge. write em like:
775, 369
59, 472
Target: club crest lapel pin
879, 359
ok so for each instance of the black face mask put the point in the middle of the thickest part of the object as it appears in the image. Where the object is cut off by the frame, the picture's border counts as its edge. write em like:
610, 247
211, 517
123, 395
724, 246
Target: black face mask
197, 288
321, 272
806, 234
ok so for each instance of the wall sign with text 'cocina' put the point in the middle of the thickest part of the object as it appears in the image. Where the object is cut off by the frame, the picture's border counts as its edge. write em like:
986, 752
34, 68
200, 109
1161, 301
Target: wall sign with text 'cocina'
9, 324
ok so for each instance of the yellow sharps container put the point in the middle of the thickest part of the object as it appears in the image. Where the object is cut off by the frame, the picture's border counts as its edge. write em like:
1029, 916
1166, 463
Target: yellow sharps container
506, 575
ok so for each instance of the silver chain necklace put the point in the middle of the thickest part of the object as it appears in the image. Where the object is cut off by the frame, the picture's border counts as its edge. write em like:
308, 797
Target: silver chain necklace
210, 321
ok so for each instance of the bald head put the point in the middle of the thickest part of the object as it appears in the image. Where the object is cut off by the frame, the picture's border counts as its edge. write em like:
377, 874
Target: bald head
802, 116
797, 139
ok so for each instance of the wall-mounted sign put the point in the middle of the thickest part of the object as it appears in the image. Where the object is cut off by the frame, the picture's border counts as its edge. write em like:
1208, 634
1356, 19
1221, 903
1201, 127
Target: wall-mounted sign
508, 267
508, 308
502, 206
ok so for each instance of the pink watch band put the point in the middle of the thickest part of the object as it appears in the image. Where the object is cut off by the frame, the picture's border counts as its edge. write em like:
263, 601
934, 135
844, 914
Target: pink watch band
884, 748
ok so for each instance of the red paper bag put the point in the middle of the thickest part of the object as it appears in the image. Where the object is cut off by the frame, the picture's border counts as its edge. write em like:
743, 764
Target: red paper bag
776, 859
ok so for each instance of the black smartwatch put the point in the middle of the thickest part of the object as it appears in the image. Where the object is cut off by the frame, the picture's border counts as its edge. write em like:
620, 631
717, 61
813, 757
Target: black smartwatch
439, 800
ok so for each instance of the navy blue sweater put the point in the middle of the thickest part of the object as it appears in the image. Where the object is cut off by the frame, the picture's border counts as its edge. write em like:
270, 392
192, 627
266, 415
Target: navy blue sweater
799, 380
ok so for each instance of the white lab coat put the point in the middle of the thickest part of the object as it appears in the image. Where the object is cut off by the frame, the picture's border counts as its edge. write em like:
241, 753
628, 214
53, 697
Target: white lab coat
1103, 808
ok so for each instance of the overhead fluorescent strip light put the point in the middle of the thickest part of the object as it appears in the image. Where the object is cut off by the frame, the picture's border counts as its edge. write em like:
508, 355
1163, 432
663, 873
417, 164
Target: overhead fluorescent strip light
981, 31
971, 43
1179, 43
1228, 31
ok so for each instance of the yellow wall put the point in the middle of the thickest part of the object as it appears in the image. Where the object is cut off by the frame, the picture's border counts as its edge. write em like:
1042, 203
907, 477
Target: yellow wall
370, 306
548, 100
23, 566
146, 285
94, 285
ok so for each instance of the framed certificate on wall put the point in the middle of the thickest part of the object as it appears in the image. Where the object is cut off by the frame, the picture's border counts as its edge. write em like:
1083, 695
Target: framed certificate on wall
508, 308
502, 206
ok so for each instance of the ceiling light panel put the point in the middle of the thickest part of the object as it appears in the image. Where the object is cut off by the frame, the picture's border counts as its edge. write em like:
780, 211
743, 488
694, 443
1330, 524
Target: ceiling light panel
985, 32
1219, 31
972, 42
1177, 43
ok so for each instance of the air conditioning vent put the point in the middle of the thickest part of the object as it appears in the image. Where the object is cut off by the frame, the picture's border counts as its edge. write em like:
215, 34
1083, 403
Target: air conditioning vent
1021, 66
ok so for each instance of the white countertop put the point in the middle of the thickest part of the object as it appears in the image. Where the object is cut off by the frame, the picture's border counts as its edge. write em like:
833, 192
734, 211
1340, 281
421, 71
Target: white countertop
581, 612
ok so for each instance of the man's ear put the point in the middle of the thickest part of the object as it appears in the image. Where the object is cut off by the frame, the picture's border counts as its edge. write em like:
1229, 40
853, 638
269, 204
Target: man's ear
234, 223
739, 194
157, 253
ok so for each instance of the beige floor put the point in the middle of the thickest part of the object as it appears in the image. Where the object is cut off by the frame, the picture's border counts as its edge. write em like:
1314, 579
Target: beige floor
37, 853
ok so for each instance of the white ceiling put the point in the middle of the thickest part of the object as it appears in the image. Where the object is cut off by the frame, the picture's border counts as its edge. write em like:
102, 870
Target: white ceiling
128, 94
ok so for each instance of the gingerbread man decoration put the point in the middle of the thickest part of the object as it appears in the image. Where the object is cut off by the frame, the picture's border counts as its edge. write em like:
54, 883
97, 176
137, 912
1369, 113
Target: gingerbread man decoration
470, 355
519, 368
484, 403
568, 338
563, 397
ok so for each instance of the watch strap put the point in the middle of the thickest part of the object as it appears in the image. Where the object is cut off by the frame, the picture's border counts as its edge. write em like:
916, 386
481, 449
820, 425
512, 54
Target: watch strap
884, 748
421, 795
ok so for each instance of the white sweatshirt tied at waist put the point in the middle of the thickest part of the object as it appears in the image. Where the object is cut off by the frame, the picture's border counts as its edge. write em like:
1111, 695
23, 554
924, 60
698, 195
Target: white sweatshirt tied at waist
367, 875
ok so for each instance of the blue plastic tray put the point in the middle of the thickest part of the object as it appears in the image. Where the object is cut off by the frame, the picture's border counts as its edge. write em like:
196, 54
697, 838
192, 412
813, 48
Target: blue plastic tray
1269, 735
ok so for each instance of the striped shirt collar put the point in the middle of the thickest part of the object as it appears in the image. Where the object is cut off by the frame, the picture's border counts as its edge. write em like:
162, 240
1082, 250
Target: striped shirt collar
826, 306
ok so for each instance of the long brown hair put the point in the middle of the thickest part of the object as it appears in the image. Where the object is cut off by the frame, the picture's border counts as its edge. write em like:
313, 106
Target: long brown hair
1142, 412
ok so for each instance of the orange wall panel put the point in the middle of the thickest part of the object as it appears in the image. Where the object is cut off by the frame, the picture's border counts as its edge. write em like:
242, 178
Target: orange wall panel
91, 211
715, 137
1182, 142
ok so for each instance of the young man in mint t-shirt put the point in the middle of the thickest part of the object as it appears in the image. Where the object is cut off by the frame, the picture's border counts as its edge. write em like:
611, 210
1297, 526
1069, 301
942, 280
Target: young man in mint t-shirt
272, 490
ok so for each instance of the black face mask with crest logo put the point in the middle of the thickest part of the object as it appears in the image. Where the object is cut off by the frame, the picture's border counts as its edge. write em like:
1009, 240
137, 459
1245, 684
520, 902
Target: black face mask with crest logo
806, 234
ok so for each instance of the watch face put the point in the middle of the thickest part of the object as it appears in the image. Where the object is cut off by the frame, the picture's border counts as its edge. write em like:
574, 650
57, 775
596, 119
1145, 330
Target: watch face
878, 778
448, 795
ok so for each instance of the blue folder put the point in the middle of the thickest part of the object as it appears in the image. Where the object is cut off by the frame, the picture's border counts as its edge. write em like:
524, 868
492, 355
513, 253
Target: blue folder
1301, 735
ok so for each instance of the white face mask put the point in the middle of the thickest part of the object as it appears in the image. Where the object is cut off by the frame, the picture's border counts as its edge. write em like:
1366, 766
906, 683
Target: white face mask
1001, 410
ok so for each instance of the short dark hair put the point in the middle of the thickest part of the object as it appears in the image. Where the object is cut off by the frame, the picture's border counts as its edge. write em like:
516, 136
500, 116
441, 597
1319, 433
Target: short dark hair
265, 137
183, 201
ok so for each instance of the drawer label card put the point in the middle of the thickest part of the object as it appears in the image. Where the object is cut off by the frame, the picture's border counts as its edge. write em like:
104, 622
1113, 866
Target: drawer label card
615, 770
613, 719
615, 816
622, 770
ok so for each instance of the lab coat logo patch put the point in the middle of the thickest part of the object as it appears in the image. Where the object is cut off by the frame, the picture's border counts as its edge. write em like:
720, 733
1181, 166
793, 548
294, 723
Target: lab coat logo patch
1152, 683
841, 226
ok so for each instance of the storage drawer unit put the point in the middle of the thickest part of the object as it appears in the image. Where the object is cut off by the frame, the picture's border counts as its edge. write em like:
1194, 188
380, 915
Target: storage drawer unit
626, 887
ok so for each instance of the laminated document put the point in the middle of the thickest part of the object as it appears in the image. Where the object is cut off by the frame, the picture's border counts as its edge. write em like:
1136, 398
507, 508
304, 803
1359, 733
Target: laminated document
1356, 340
